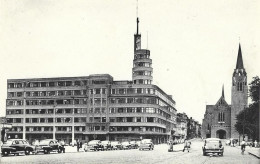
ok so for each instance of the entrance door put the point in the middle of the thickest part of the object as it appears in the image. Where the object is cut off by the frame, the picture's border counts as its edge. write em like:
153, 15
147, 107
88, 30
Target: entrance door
221, 134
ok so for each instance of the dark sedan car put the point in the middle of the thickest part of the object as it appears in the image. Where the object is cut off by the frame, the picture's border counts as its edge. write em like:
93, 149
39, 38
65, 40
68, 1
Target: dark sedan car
49, 145
213, 146
16, 146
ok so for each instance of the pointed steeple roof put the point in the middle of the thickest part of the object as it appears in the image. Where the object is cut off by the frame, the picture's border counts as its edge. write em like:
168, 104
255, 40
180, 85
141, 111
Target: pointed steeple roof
223, 95
222, 101
239, 59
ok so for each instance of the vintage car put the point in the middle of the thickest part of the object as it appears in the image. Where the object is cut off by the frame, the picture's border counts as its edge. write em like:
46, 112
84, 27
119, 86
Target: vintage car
133, 144
16, 146
126, 145
106, 145
93, 145
146, 144
116, 145
138, 143
213, 146
49, 145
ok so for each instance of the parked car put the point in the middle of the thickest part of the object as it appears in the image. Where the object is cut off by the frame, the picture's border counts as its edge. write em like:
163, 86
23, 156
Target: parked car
146, 144
126, 145
133, 144
16, 146
49, 145
93, 145
138, 143
213, 145
116, 145
106, 145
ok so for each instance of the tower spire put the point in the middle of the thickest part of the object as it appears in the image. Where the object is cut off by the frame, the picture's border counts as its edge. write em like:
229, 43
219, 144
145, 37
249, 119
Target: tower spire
223, 95
239, 59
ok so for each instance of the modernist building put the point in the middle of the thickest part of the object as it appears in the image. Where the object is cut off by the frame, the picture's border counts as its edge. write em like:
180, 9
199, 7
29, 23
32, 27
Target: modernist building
92, 107
220, 119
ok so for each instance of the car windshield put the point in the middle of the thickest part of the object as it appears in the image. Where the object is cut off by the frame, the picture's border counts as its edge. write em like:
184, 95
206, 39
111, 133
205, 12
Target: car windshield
92, 142
8, 142
125, 143
44, 142
114, 142
104, 142
146, 141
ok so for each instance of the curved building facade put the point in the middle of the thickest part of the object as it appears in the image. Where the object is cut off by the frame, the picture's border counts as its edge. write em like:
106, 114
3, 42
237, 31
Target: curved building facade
92, 107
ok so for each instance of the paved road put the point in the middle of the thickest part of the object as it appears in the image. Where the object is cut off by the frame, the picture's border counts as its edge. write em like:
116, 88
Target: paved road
157, 156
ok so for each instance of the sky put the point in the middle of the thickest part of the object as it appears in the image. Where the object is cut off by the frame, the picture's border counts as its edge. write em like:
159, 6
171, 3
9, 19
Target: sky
193, 44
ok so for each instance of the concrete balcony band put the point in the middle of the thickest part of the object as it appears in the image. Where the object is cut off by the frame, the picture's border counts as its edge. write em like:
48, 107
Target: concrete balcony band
150, 69
146, 60
142, 77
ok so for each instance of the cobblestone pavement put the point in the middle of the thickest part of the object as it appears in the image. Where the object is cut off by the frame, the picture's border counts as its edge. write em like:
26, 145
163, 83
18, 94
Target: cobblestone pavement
157, 156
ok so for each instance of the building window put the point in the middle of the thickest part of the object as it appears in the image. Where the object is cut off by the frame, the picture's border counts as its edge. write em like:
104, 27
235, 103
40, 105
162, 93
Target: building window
138, 119
221, 117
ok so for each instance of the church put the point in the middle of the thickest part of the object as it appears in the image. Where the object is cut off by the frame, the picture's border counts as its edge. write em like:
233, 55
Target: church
220, 119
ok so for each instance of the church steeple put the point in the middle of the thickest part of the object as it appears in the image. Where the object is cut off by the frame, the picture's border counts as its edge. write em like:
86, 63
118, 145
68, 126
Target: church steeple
239, 59
223, 95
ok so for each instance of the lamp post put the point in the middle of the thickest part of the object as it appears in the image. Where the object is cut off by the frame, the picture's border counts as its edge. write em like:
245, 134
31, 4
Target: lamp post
54, 120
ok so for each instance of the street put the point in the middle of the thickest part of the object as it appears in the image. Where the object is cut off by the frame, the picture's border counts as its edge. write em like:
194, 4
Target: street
159, 155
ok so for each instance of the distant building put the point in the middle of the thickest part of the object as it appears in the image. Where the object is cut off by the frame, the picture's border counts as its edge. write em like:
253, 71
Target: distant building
220, 119
92, 107
181, 132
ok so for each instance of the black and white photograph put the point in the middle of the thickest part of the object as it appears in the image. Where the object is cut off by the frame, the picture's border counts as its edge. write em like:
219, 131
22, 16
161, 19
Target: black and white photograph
130, 81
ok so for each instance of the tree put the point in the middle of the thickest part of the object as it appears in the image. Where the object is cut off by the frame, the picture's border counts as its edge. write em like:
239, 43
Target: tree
248, 119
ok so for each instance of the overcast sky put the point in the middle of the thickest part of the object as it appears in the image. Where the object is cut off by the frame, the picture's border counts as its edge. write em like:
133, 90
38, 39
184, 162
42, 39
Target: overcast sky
193, 44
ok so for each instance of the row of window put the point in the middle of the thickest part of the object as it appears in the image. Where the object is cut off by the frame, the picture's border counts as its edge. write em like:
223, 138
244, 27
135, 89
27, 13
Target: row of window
137, 119
123, 91
142, 56
44, 129
47, 84
136, 129
142, 64
143, 73
47, 120
142, 81
139, 110
139, 100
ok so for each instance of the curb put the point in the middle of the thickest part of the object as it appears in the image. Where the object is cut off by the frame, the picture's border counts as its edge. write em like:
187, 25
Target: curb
254, 155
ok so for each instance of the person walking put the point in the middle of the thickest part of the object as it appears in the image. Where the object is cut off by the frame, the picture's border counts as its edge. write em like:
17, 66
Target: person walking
78, 145
186, 145
243, 146
255, 143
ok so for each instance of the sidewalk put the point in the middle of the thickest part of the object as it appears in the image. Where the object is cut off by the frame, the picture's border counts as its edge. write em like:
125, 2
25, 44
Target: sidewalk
70, 149
252, 151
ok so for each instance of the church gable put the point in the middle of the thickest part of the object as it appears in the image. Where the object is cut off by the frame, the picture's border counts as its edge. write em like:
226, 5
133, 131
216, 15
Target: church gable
222, 102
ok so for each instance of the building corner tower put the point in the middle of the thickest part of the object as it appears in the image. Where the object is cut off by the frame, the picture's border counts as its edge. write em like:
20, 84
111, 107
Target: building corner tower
239, 98
142, 64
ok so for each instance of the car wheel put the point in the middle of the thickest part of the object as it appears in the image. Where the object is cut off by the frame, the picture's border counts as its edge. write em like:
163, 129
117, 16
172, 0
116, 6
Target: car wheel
26, 151
45, 151
5, 153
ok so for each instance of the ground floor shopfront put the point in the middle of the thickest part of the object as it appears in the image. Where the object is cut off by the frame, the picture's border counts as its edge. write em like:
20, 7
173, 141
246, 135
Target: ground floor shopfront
85, 137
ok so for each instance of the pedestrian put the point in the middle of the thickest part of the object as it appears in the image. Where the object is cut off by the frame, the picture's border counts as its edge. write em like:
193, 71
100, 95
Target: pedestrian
170, 149
186, 145
78, 145
255, 143
233, 142
243, 146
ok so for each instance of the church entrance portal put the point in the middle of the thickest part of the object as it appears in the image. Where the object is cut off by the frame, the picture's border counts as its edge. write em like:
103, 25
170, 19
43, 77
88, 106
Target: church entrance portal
221, 134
